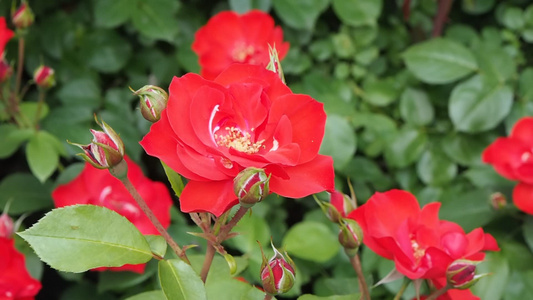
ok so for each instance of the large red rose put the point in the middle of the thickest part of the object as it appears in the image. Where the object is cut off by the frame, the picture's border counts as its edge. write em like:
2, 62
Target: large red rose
5, 35
15, 281
232, 38
421, 245
99, 187
246, 117
512, 157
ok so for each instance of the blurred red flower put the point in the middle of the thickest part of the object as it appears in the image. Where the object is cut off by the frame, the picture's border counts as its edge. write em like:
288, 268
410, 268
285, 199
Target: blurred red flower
99, 187
246, 117
229, 38
512, 157
15, 281
5, 35
421, 245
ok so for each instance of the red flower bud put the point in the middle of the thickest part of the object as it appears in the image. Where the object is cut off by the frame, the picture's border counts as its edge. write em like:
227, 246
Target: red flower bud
23, 17
350, 236
343, 203
6, 226
153, 101
106, 150
277, 274
5, 70
498, 200
251, 186
461, 274
44, 77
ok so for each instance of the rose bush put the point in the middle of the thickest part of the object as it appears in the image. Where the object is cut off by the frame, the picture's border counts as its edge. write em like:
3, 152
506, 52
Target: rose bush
246, 117
15, 281
512, 157
232, 38
99, 187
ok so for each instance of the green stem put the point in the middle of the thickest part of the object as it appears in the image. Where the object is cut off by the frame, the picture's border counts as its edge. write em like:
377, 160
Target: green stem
42, 94
151, 216
439, 293
402, 290
226, 229
363, 286
209, 255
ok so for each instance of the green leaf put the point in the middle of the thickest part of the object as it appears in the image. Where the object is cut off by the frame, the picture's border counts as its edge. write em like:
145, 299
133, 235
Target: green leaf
242, 6
475, 107
174, 178
335, 297
82, 237
312, 241
470, 210
110, 14
106, 51
42, 155
29, 112
513, 18
179, 281
478, 6
158, 245
252, 228
464, 149
152, 295
415, 107
380, 92
358, 12
121, 281
405, 148
81, 91
485, 176
156, 19
11, 137
496, 70
300, 14
439, 61
339, 141
233, 289
493, 286
528, 231
435, 169
25, 192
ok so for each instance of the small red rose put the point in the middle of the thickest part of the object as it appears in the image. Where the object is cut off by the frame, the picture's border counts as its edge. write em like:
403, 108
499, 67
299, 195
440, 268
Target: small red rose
99, 187
15, 281
246, 117
232, 38
421, 245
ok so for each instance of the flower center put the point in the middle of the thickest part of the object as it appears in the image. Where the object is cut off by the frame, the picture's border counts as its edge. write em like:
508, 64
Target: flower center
243, 53
418, 252
238, 140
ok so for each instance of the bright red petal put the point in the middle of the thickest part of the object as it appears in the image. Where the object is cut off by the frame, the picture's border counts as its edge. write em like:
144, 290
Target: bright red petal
505, 155
523, 197
523, 130
215, 197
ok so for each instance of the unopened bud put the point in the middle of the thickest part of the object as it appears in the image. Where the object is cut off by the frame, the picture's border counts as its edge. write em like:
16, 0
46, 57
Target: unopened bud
44, 77
23, 17
350, 236
6, 226
5, 70
274, 63
461, 274
498, 200
106, 150
343, 205
277, 274
251, 186
153, 101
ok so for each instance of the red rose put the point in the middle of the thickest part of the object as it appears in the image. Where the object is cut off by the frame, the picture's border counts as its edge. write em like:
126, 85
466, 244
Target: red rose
99, 187
231, 38
246, 117
5, 35
512, 157
15, 281
421, 245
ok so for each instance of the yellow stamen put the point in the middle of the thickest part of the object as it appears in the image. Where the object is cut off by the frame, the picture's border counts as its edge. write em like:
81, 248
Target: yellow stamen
238, 140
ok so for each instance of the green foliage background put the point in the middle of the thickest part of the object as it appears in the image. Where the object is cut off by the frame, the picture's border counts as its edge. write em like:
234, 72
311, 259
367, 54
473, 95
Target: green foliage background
404, 111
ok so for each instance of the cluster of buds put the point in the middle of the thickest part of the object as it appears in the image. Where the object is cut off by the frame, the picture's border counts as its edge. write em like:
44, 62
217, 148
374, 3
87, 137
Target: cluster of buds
106, 150
44, 77
153, 101
251, 186
278, 273
461, 274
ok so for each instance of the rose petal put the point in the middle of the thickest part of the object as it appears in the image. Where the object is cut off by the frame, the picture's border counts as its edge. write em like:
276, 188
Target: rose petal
523, 197
215, 197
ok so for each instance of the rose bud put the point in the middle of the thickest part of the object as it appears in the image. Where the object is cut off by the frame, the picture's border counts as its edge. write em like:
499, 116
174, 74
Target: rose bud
6, 226
153, 101
251, 186
461, 274
23, 16
277, 274
5, 70
498, 200
44, 77
274, 63
106, 150
343, 204
350, 236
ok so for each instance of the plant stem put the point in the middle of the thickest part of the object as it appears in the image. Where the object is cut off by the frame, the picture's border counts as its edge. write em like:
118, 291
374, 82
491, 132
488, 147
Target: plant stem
356, 263
209, 255
150, 214
438, 293
42, 94
268, 297
402, 290
226, 229
441, 17
19, 66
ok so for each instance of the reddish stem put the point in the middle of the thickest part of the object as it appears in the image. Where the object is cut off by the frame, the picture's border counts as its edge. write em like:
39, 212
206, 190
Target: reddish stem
441, 17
